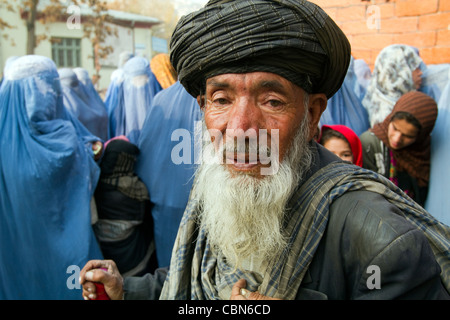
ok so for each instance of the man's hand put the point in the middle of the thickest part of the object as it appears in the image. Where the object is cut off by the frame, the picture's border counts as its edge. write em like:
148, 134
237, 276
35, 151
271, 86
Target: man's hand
238, 292
111, 279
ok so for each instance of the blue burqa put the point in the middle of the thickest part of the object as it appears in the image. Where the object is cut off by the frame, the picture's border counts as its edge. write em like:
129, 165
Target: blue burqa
362, 73
345, 107
167, 162
114, 93
114, 97
139, 86
48, 176
434, 79
84, 103
438, 200
93, 95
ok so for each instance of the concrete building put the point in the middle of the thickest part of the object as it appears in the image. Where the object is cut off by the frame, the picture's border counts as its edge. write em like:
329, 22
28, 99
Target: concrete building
67, 45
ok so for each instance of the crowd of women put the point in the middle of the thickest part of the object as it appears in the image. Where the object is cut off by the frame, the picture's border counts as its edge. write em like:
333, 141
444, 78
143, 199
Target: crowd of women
89, 178
394, 121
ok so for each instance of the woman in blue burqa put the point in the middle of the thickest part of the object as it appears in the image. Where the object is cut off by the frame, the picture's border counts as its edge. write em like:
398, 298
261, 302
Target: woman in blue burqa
167, 161
127, 114
48, 176
114, 93
84, 102
438, 200
114, 96
345, 107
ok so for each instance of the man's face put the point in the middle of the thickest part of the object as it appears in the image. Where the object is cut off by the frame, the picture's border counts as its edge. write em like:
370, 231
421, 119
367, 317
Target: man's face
241, 103
242, 207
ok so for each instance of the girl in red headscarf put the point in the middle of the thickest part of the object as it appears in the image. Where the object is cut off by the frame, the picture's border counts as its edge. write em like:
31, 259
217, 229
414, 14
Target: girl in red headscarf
342, 141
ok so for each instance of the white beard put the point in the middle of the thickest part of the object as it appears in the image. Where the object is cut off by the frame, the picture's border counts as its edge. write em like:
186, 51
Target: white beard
243, 214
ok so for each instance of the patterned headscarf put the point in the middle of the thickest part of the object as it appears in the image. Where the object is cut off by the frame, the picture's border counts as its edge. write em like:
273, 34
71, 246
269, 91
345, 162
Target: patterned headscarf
391, 78
414, 159
286, 37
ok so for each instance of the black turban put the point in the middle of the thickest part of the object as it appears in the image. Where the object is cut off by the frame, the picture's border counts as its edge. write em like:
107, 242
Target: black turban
291, 38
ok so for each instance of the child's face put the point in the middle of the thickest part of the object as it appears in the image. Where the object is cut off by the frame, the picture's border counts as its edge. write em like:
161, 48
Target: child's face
340, 147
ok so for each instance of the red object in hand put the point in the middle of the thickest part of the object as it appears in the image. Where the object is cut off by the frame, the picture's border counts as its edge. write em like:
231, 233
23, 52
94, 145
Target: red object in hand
101, 293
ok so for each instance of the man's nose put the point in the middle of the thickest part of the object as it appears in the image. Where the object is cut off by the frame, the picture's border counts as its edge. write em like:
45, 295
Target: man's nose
245, 115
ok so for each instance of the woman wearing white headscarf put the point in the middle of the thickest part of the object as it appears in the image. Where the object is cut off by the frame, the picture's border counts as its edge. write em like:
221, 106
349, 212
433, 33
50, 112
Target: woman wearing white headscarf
396, 72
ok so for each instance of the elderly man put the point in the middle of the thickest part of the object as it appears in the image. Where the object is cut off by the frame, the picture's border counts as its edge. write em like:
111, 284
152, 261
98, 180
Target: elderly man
303, 225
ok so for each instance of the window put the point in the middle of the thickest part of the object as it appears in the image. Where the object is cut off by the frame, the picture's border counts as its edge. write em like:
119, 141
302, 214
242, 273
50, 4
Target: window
66, 52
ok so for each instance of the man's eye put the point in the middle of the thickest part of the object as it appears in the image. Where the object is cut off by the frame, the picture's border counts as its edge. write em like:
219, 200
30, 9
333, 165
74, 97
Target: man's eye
221, 101
275, 103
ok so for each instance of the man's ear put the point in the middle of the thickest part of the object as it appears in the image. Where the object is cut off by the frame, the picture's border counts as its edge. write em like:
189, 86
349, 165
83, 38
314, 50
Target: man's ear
317, 105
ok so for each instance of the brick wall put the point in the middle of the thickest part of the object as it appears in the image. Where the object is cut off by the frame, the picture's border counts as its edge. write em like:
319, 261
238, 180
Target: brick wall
372, 25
